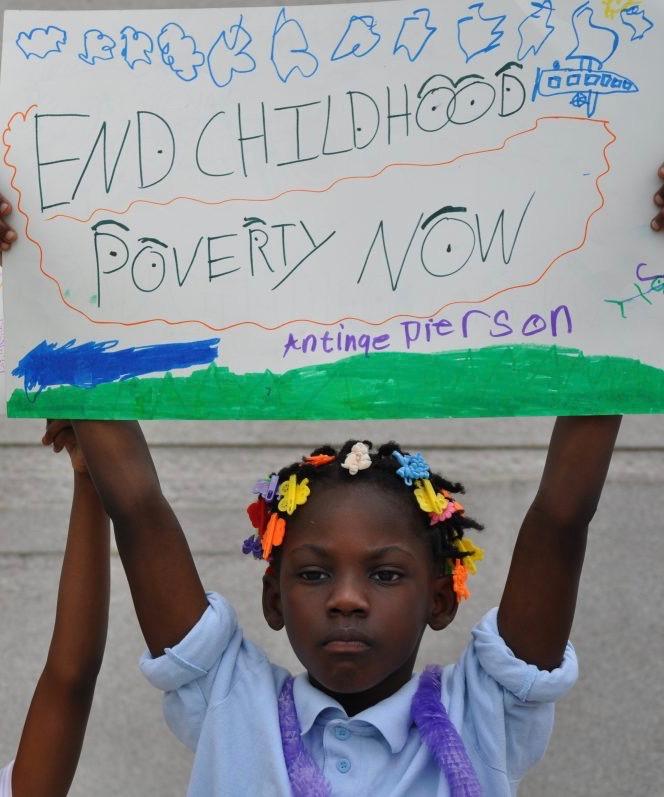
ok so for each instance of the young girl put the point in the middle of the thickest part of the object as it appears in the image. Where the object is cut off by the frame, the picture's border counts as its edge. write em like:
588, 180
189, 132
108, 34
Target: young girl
365, 550
52, 737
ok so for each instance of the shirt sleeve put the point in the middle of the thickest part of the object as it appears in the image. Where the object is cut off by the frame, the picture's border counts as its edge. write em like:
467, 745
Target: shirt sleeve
203, 664
6, 780
506, 703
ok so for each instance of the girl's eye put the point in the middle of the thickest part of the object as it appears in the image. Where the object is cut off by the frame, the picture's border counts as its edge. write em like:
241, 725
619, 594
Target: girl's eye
386, 576
313, 575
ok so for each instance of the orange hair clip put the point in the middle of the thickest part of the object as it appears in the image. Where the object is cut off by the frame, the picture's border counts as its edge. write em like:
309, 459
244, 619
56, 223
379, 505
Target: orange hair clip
318, 459
274, 534
459, 581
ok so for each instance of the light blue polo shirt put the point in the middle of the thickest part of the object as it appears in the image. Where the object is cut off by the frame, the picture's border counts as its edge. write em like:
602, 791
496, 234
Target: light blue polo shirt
221, 701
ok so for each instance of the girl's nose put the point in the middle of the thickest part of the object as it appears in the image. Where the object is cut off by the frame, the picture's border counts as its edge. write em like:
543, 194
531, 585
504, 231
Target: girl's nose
348, 596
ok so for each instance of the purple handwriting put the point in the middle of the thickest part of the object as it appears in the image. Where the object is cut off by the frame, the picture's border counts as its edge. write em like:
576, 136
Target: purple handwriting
415, 334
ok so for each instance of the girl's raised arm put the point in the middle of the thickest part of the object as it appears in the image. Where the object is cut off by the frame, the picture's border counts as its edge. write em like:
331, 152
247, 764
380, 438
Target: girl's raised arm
537, 607
167, 592
53, 733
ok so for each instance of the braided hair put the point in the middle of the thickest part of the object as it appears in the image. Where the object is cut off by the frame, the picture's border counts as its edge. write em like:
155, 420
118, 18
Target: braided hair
326, 466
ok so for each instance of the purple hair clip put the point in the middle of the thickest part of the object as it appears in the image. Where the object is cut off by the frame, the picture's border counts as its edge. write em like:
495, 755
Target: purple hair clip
412, 467
267, 488
252, 545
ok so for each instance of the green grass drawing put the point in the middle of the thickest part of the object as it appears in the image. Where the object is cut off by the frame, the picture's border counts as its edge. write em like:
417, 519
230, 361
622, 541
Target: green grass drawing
500, 380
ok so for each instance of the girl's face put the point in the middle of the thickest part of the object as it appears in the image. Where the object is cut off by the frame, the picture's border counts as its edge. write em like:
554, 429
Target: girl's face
356, 587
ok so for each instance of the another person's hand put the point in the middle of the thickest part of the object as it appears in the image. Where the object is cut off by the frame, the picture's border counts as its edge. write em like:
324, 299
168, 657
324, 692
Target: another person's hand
658, 222
7, 234
59, 435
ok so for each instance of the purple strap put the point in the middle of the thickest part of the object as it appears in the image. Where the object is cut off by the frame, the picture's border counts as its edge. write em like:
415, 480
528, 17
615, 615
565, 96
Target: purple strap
441, 737
427, 712
305, 777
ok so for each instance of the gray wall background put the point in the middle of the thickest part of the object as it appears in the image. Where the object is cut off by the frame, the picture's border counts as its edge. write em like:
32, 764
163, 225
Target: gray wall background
609, 735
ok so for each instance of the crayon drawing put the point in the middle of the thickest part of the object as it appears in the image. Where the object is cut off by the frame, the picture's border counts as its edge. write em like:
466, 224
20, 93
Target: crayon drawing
333, 211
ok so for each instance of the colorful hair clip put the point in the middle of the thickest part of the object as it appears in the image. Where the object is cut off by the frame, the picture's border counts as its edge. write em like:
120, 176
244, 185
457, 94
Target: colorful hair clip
259, 514
428, 499
293, 494
267, 487
450, 508
446, 514
412, 467
473, 553
357, 459
318, 459
274, 534
252, 545
459, 581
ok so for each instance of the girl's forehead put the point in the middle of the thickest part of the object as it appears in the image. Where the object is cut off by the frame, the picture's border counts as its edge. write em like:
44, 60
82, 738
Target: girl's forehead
364, 516
332, 502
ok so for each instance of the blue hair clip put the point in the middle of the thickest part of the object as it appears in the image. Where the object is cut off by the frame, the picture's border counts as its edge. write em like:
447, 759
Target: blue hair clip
412, 467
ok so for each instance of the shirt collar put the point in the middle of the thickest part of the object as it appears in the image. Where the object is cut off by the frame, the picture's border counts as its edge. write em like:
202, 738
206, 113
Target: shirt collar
391, 717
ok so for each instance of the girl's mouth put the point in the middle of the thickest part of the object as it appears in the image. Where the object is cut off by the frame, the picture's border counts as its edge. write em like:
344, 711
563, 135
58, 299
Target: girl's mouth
346, 640
346, 646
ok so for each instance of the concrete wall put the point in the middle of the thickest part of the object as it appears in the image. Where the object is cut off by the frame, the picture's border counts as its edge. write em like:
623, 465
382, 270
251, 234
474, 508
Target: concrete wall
609, 736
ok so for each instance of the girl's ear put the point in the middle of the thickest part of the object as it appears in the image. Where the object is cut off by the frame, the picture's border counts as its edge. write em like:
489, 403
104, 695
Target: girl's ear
272, 602
444, 603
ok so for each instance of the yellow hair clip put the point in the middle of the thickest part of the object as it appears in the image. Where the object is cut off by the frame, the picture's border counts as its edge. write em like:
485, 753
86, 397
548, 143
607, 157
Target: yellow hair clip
293, 494
474, 553
429, 500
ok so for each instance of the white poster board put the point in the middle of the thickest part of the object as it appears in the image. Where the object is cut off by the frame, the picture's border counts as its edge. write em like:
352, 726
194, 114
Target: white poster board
335, 211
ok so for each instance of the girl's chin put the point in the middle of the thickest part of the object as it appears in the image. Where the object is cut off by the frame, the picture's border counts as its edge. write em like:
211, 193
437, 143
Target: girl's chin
345, 682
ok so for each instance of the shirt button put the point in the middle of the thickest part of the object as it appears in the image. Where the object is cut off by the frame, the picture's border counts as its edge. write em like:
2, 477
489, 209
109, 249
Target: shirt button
341, 733
343, 765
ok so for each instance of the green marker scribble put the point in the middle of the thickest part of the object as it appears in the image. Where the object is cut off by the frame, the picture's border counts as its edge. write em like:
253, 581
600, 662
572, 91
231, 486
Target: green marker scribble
493, 381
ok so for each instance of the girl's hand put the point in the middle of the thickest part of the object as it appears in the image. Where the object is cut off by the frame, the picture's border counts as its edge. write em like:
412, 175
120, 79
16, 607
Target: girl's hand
60, 434
7, 235
657, 223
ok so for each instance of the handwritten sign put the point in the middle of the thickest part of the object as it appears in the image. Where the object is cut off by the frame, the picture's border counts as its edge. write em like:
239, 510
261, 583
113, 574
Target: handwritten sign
385, 210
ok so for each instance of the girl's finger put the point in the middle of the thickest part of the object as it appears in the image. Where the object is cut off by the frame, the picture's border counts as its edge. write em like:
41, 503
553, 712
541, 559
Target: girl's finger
6, 228
5, 207
657, 223
658, 199
63, 439
53, 428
